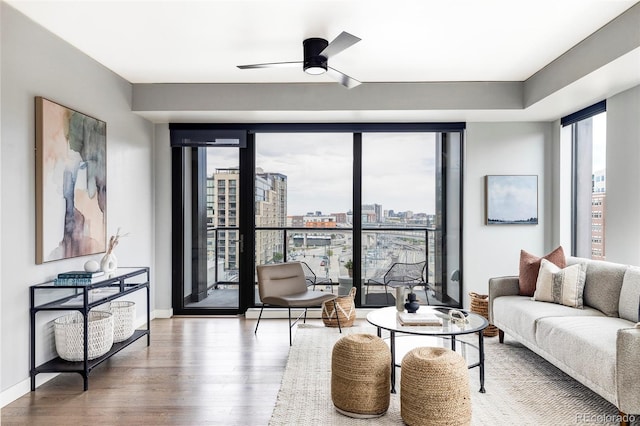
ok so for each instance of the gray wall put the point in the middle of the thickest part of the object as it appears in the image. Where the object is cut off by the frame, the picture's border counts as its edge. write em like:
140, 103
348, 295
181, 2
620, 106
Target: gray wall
36, 63
1, 180
162, 163
494, 250
622, 238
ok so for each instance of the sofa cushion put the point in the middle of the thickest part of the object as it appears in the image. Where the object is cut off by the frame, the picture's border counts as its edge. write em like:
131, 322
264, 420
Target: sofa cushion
603, 284
587, 345
560, 285
519, 314
530, 265
630, 295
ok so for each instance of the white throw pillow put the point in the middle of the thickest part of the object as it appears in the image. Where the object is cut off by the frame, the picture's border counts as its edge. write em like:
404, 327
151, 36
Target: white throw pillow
563, 286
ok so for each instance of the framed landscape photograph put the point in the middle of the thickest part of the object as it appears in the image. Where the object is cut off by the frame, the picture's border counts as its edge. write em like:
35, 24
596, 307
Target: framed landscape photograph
71, 183
511, 199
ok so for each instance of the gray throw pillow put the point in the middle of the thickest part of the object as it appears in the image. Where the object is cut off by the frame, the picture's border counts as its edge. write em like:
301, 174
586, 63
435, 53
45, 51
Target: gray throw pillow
630, 295
603, 285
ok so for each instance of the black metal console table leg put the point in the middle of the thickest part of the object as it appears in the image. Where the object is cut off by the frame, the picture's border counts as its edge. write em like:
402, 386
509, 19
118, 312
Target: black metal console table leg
32, 340
481, 354
392, 344
148, 316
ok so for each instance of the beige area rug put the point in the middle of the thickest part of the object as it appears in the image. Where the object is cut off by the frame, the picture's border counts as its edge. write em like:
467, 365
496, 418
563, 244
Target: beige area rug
521, 387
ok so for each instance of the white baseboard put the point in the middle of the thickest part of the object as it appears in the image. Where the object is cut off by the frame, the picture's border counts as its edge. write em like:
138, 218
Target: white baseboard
162, 313
253, 313
23, 388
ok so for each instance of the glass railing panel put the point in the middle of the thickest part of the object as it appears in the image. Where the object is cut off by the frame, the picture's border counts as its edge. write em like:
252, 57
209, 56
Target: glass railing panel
326, 253
381, 250
270, 248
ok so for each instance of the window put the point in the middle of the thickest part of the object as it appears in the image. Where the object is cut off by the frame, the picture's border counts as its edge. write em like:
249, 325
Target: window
395, 178
588, 137
398, 192
306, 191
327, 195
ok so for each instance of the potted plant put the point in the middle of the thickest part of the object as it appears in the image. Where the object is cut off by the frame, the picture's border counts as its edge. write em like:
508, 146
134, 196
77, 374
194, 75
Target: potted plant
349, 265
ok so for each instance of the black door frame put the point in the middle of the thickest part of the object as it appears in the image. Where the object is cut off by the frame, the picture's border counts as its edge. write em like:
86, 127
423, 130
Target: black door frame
246, 196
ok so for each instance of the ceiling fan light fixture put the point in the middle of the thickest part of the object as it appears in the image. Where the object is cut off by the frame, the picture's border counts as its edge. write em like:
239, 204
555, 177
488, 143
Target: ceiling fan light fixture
317, 52
315, 69
314, 63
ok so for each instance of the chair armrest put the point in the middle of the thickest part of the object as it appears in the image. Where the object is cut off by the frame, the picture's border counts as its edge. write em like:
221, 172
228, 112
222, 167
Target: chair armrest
627, 371
502, 286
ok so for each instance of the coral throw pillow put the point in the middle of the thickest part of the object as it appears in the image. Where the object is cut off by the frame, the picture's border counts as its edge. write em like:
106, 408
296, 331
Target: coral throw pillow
530, 266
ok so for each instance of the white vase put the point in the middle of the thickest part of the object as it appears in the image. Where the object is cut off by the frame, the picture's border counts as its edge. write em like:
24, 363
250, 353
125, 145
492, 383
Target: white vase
400, 298
109, 263
91, 266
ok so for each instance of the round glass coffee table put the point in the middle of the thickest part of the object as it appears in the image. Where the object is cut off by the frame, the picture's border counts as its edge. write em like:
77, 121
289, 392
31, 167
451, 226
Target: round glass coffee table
388, 319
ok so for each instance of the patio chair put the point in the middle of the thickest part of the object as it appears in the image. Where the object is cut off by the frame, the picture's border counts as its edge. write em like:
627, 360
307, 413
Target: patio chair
284, 285
402, 275
313, 280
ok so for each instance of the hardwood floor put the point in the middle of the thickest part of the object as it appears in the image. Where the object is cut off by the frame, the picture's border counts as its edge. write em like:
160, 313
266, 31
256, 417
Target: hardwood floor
197, 371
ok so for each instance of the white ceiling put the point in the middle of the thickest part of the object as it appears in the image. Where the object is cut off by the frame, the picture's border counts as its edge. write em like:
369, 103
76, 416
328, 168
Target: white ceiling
150, 41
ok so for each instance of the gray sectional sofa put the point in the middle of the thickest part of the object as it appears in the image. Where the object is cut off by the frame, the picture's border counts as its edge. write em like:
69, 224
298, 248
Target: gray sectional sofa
598, 345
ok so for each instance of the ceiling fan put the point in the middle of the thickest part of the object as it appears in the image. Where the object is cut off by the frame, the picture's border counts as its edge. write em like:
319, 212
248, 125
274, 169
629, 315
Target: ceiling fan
317, 52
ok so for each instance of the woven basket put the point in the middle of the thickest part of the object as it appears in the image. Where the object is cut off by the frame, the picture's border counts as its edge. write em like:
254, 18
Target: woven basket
346, 310
124, 314
480, 306
69, 335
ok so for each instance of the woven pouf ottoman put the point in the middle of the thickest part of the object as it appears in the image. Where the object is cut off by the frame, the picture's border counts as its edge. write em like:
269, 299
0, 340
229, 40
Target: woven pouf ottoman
434, 388
361, 376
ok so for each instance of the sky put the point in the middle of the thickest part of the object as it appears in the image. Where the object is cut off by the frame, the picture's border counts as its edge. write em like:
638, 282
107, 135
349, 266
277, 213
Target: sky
398, 169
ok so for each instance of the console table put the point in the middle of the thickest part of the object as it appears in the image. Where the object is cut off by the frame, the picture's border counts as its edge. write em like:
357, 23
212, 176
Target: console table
50, 296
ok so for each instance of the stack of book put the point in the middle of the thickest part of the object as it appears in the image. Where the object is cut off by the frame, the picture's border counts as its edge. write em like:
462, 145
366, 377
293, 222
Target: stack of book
419, 318
76, 277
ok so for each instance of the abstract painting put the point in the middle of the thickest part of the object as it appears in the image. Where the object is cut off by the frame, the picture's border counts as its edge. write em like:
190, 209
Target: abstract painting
71, 183
511, 199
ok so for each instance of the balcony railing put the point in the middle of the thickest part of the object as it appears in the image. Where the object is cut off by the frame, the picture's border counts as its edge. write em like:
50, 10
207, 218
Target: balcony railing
326, 251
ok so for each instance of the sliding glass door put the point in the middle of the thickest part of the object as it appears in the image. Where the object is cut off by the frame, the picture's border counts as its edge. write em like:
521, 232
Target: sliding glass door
222, 227
207, 194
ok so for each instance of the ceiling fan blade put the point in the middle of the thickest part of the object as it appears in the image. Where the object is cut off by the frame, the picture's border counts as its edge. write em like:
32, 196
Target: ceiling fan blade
339, 43
270, 65
342, 78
